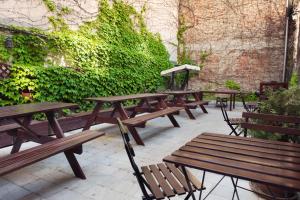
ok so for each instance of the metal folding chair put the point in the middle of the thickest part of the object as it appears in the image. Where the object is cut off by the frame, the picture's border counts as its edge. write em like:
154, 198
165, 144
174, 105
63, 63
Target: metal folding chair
233, 123
160, 181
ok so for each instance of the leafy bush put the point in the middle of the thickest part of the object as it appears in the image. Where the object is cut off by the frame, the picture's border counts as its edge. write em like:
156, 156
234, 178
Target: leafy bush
294, 80
113, 55
231, 84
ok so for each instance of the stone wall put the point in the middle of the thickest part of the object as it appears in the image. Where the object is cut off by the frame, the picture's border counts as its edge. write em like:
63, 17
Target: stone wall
244, 39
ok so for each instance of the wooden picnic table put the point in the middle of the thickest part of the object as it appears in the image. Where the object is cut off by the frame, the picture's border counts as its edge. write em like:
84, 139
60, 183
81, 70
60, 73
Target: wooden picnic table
264, 161
22, 116
158, 109
181, 98
232, 95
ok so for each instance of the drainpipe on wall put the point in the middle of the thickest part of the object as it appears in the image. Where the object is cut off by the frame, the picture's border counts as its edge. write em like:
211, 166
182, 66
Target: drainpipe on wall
287, 16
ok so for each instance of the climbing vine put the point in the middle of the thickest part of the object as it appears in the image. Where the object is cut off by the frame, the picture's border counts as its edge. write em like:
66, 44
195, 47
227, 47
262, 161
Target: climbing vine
113, 55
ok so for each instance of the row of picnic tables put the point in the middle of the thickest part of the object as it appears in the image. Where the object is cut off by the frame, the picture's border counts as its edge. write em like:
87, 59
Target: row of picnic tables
156, 104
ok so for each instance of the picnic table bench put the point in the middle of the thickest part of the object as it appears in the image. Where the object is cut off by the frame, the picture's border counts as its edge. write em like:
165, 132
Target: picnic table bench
154, 110
181, 98
22, 116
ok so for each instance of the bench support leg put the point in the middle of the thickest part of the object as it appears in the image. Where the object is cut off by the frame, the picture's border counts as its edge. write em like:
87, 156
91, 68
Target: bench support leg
69, 154
17, 144
136, 136
74, 164
190, 114
132, 130
203, 108
173, 120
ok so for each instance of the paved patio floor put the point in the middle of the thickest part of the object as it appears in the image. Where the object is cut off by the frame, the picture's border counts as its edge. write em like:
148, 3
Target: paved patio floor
104, 161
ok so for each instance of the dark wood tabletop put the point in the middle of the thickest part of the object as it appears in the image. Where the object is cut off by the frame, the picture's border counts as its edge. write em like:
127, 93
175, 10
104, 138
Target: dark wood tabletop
126, 97
264, 161
32, 108
182, 92
225, 91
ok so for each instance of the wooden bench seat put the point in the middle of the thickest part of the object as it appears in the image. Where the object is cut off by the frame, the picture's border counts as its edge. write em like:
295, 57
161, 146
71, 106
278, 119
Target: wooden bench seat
9, 127
143, 118
194, 104
27, 157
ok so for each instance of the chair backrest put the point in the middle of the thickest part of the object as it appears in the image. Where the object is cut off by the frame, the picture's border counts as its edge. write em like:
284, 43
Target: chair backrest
281, 124
273, 85
224, 112
131, 154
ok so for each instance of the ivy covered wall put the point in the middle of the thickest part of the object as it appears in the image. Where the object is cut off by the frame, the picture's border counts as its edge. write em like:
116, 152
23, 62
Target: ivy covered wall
114, 54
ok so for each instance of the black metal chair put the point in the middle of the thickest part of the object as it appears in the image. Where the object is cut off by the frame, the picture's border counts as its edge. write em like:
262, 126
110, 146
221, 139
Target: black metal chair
249, 106
161, 180
233, 123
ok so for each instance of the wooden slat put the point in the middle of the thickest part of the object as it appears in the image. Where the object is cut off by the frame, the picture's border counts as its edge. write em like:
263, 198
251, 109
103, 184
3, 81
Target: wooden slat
236, 172
263, 141
126, 97
162, 181
272, 117
143, 118
270, 128
246, 152
152, 183
239, 164
32, 108
251, 143
246, 158
171, 179
246, 147
180, 177
24, 158
9, 127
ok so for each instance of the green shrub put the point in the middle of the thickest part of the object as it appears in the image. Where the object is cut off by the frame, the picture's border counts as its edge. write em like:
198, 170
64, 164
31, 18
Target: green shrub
294, 82
231, 84
113, 55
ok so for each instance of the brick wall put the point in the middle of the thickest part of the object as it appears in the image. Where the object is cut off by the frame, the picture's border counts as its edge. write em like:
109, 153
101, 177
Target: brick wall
245, 40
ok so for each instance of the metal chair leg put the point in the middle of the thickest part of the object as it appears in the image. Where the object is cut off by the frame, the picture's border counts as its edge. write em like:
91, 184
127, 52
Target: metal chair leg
214, 187
235, 189
188, 183
203, 178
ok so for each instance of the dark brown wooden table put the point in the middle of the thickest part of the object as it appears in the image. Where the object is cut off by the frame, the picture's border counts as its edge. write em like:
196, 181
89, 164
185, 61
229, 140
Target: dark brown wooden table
269, 162
232, 95
22, 115
181, 98
116, 102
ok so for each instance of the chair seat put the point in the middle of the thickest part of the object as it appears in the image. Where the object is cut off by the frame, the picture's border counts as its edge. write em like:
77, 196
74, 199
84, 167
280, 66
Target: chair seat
236, 121
167, 180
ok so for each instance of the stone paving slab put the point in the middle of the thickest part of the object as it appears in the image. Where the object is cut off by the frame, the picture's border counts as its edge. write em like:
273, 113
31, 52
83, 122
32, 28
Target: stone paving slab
105, 163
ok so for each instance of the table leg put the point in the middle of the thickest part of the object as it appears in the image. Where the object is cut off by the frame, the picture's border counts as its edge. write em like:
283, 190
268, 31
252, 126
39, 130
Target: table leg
234, 95
187, 110
173, 120
20, 137
91, 120
230, 102
188, 183
69, 154
140, 104
199, 98
131, 129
